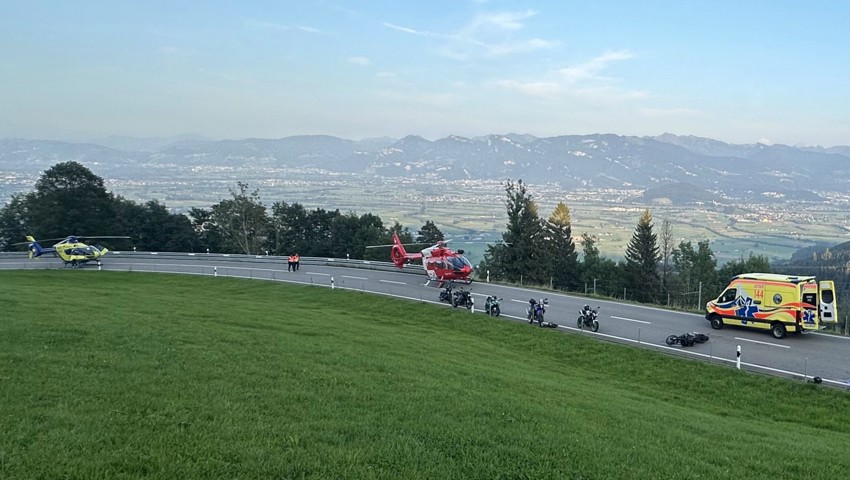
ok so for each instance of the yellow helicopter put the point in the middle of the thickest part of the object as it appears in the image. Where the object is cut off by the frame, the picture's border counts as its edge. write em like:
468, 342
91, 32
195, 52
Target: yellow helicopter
70, 249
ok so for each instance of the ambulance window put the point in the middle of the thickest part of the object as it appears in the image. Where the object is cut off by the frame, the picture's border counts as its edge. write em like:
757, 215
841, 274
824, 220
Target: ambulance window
826, 295
729, 295
810, 299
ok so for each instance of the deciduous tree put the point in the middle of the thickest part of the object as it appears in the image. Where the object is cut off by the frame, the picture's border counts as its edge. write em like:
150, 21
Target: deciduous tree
242, 220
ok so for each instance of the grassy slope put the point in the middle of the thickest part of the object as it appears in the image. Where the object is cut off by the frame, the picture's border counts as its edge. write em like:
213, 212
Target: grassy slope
127, 375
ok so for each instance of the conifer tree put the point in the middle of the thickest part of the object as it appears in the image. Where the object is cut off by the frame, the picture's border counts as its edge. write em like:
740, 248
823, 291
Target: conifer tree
562, 248
522, 256
642, 257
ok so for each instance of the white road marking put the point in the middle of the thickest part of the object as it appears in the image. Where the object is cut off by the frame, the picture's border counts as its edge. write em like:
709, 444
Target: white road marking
632, 320
314, 273
392, 281
762, 343
828, 335
355, 278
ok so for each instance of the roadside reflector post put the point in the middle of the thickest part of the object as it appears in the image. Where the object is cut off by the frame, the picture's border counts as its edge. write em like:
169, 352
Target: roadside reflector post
99, 265
805, 368
215, 271
332, 283
738, 361
472, 307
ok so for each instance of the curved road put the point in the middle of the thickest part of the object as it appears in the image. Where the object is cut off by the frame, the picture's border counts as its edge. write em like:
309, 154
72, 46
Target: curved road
796, 356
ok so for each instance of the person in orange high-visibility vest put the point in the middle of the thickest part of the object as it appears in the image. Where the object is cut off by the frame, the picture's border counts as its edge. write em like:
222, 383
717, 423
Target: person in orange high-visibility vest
291, 266
297, 261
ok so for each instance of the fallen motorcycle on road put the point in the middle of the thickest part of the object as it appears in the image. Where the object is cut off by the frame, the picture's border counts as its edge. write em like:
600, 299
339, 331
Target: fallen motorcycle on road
687, 339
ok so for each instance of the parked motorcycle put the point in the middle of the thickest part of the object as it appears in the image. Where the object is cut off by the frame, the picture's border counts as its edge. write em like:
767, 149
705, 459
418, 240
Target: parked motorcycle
492, 306
687, 339
536, 310
587, 318
446, 294
462, 298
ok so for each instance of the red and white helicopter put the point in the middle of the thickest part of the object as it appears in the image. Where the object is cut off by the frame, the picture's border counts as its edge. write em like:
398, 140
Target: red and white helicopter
440, 262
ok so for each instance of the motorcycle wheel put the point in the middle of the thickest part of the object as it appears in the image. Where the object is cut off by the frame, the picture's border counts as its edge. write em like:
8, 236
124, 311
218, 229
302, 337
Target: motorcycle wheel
594, 326
454, 303
494, 311
672, 340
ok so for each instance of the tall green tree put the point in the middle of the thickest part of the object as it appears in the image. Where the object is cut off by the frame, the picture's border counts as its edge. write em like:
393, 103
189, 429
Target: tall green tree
696, 270
751, 264
207, 233
242, 221
522, 256
666, 250
642, 257
14, 224
292, 229
599, 275
70, 200
562, 249
429, 233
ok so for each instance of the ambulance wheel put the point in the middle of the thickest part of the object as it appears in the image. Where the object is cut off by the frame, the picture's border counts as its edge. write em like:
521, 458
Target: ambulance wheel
716, 322
778, 330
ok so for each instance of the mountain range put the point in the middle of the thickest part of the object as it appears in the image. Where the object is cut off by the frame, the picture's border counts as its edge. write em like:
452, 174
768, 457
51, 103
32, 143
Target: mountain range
684, 168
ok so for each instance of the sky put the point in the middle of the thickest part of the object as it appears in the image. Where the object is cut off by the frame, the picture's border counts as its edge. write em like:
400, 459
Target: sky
775, 72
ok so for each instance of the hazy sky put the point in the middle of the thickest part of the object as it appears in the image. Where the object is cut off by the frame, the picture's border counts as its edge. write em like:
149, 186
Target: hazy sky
774, 71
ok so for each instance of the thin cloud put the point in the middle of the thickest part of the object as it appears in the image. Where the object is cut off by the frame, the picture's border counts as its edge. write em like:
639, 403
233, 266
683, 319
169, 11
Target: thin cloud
484, 36
589, 70
582, 81
500, 20
309, 29
361, 61
406, 30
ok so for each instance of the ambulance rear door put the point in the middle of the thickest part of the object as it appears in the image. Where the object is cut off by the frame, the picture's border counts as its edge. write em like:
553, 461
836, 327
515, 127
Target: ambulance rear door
828, 305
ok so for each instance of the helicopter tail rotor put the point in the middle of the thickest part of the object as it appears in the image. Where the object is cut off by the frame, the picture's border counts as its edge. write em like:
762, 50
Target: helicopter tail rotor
398, 255
34, 249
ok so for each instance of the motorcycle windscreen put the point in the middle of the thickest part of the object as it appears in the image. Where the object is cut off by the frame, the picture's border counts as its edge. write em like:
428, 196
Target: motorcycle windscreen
828, 305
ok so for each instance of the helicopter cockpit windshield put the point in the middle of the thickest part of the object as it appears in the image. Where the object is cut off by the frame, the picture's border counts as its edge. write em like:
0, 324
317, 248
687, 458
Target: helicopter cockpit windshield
458, 262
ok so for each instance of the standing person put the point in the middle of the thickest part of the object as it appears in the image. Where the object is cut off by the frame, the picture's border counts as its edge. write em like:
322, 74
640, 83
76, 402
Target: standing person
297, 261
291, 265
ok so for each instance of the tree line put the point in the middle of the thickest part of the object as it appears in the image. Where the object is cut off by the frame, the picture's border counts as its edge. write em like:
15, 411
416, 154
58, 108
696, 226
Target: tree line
71, 200
535, 250
540, 250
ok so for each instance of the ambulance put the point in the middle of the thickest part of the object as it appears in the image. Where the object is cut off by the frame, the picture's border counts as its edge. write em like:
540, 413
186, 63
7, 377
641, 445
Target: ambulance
779, 303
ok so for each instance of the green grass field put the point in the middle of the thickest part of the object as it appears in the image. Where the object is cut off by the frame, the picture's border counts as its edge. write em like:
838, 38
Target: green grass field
109, 375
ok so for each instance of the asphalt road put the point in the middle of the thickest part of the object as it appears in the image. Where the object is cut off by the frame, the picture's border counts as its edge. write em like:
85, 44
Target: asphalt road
796, 356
